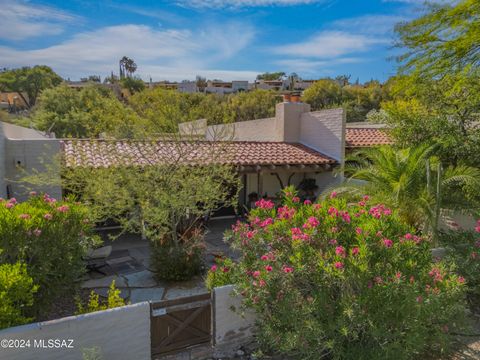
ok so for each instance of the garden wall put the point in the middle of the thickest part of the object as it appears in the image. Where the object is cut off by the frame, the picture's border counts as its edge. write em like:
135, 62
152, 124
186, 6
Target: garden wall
122, 334
231, 328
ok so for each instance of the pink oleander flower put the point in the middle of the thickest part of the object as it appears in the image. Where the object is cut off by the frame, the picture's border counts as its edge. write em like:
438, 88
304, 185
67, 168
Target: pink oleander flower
287, 269
355, 251
338, 265
285, 212
361, 203
296, 231
366, 197
332, 211
213, 268
266, 222
398, 275
340, 251
296, 199
387, 243
265, 204
225, 269
311, 222
436, 275
48, 216
9, 205
334, 229
358, 230
250, 234
63, 208
256, 274
419, 299
333, 195
461, 279
262, 283
408, 236
477, 229
333, 242
346, 217
12, 201
268, 268
317, 206
37, 232
24, 216
307, 202
264, 257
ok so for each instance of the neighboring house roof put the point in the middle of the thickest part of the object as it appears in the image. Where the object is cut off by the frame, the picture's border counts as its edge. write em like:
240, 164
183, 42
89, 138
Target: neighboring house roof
364, 137
106, 153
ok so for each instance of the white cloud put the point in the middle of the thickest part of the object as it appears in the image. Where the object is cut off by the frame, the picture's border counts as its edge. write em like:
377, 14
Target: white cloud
21, 20
330, 44
377, 24
172, 54
214, 4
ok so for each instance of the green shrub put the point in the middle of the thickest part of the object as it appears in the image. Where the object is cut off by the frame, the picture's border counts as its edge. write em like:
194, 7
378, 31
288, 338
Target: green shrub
220, 274
16, 294
178, 261
344, 281
50, 237
94, 304
464, 250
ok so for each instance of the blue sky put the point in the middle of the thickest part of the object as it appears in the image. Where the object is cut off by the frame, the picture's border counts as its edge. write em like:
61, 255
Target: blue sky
226, 39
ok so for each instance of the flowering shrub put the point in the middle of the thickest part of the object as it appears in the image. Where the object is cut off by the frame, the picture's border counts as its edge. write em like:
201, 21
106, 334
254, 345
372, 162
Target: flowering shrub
344, 281
464, 250
16, 294
50, 237
220, 274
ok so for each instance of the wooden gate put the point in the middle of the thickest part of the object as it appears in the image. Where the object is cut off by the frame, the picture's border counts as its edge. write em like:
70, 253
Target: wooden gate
180, 323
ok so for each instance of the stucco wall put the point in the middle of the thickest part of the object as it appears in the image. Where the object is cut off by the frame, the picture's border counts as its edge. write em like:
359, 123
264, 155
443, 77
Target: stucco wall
196, 127
24, 157
325, 131
231, 327
121, 334
19, 132
3, 190
252, 130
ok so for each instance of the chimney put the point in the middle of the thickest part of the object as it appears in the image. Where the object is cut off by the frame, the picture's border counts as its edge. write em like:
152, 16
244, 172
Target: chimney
287, 120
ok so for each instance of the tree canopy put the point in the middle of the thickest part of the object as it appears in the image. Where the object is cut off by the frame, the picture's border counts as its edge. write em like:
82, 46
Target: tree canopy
445, 39
30, 81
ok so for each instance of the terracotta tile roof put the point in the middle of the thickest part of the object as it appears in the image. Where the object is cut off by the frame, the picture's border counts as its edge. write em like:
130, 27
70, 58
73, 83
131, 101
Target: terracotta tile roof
362, 137
105, 153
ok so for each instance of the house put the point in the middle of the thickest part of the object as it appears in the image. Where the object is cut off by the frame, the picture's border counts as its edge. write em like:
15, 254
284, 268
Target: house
295, 147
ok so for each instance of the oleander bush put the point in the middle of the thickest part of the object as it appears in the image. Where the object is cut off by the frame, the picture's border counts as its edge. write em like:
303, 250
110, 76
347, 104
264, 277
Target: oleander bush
16, 294
463, 248
344, 281
50, 237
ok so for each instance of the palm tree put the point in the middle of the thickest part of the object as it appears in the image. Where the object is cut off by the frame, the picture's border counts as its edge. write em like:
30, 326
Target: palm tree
127, 67
413, 181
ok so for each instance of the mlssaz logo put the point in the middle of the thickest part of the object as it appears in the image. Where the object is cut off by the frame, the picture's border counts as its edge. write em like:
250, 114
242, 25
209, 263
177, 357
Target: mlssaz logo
53, 343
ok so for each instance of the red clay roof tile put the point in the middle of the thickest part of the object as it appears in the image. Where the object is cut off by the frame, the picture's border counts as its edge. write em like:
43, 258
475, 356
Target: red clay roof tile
105, 153
363, 137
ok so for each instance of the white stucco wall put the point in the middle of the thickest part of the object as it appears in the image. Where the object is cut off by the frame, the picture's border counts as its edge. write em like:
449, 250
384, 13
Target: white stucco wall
3, 190
253, 130
196, 127
12, 131
122, 334
23, 157
324, 131
230, 327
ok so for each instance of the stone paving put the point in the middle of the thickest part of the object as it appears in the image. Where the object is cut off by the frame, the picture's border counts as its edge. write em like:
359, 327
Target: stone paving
129, 267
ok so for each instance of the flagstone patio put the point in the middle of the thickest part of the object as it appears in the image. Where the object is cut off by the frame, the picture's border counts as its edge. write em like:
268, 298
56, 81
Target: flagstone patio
129, 266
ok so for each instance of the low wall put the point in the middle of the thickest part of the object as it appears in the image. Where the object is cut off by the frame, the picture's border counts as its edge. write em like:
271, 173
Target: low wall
122, 334
231, 328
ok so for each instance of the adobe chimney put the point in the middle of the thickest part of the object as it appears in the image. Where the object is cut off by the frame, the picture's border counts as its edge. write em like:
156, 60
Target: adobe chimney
287, 120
